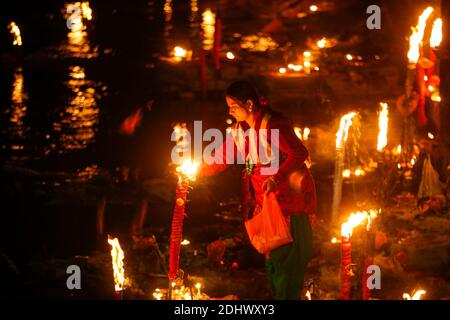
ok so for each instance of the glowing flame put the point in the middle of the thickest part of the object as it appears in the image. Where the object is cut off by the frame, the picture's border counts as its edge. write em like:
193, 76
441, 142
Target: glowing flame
416, 37
208, 28
282, 70
322, 43
179, 52
307, 64
306, 133
230, 55
334, 240
399, 149
307, 54
86, 10
158, 294
416, 295
346, 173
313, 8
117, 262
185, 242
349, 57
15, 31
382, 126
308, 295
359, 172
355, 219
342, 134
188, 169
436, 33
430, 135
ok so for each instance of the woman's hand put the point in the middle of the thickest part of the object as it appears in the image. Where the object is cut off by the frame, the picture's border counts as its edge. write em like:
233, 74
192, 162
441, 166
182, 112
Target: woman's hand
269, 186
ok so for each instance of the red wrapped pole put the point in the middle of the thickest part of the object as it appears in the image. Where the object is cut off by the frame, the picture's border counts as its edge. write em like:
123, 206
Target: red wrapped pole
217, 39
177, 229
421, 116
365, 289
345, 272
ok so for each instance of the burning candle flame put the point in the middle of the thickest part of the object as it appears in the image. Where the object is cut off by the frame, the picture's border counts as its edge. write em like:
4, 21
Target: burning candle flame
416, 295
117, 262
188, 169
308, 295
382, 126
355, 219
322, 43
415, 40
15, 31
342, 134
436, 33
86, 10
230, 55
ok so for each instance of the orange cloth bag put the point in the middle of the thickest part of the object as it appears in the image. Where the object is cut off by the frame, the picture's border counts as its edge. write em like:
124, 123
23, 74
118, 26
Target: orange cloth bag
268, 229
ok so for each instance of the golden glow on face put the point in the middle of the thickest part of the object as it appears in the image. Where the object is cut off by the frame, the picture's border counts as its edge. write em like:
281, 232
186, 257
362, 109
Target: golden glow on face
236, 110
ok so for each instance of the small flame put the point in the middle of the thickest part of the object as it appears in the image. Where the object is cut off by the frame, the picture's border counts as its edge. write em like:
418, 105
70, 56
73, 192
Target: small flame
430, 135
399, 149
86, 10
313, 8
345, 124
334, 240
230, 55
188, 169
308, 295
346, 173
185, 242
416, 295
349, 57
322, 43
359, 172
436, 33
117, 262
355, 219
282, 70
179, 52
307, 64
15, 31
306, 133
382, 126
307, 54
415, 40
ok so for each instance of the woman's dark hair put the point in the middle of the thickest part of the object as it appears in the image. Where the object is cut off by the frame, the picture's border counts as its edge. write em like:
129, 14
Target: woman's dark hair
242, 91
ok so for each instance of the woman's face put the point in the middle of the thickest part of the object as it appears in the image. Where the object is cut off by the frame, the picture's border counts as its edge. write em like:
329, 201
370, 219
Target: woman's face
236, 110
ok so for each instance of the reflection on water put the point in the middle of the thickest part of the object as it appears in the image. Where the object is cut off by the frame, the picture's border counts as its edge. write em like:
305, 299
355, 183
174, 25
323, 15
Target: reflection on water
194, 23
78, 44
16, 129
168, 24
208, 28
80, 118
258, 43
